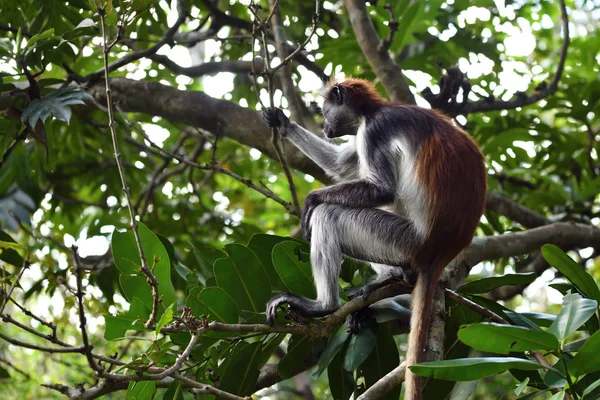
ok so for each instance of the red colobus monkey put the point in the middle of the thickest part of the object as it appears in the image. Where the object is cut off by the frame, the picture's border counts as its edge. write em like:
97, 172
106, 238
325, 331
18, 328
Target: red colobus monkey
411, 191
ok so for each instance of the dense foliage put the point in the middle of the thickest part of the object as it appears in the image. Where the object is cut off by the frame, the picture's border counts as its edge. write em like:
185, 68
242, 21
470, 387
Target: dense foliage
85, 315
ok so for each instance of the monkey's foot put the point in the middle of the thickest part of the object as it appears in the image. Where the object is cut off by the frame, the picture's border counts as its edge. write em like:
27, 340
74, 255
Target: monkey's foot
358, 319
298, 305
369, 288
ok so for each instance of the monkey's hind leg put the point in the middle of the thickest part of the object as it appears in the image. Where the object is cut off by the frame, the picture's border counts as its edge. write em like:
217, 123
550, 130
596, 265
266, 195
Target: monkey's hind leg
326, 259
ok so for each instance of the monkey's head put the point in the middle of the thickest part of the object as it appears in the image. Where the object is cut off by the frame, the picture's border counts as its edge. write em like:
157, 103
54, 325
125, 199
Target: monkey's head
347, 104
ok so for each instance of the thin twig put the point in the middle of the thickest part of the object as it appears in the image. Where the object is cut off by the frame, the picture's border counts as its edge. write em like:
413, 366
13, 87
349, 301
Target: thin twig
87, 349
591, 141
8, 293
451, 294
393, 25
151, 279
168, 38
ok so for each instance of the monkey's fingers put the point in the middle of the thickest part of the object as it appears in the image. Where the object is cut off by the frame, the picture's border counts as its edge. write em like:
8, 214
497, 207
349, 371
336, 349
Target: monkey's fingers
272, 306
271, 118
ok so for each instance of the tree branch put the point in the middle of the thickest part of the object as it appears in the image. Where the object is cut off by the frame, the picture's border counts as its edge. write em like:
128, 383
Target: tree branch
515, 243
383, 65
208, 68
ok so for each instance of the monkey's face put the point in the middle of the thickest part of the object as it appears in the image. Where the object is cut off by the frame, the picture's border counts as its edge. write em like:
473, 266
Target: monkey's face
340, 120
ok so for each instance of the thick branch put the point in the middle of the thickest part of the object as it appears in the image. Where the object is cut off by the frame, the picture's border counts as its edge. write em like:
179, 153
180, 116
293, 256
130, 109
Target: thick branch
234, 66
515, 243
200, 110
514, 211
385, 68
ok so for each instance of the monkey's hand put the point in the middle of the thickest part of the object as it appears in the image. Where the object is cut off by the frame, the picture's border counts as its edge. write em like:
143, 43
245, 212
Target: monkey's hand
274, 117
312, 201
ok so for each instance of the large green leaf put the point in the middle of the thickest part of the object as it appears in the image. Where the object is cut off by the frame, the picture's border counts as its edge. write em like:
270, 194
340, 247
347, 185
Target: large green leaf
56, 103
134, 318
240, 369
575, 312
569, 268
213, 303
587, 358
383, 358
341, 381
206, 257
335, 344
127, 260
503, 339
294, 272
360, 346
488, 284
142, 390
9, 255
299, 347
242, 277
262, 245
469, 369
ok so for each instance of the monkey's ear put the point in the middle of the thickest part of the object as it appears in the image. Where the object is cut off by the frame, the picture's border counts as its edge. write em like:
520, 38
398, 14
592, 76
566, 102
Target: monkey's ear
337, 94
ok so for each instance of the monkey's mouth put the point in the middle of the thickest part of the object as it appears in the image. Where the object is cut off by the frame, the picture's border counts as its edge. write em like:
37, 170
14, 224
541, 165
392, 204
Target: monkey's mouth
330, 134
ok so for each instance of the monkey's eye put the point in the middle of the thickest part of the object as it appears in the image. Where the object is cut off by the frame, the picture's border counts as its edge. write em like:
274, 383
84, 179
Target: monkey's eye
337, 95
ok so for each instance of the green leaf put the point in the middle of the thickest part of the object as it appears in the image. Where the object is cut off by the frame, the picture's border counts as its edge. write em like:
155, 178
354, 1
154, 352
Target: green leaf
407, 22
521, 386
382, 360
142, 390
341, 381
4, 375
488, 284
469, 369
299, 347
117, 326
165, 318
521, 320
360, 346
295, 273
569, 268
591, 388
533, 395
9, 255
206, 256
556, 378
127, 260
213, 303
174, 392
240, 370
56, 103
335, 344
40, 36
503, 339
242, 277
587, 358
558, 396
262, 245
576, 311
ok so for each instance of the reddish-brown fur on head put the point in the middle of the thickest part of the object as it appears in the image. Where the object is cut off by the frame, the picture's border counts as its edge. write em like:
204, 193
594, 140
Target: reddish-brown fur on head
360, 95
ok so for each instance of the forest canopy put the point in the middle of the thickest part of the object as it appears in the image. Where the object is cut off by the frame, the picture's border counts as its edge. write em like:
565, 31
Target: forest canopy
148, 213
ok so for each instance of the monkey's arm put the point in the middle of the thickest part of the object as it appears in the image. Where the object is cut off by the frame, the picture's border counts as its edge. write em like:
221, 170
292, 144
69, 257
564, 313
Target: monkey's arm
338, 161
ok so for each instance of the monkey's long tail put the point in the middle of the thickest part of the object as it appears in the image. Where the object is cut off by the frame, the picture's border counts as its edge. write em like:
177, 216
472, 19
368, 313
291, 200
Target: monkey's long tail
420, 325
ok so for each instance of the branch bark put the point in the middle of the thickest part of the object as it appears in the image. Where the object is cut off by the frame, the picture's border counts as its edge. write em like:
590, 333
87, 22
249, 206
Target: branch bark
377, 55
